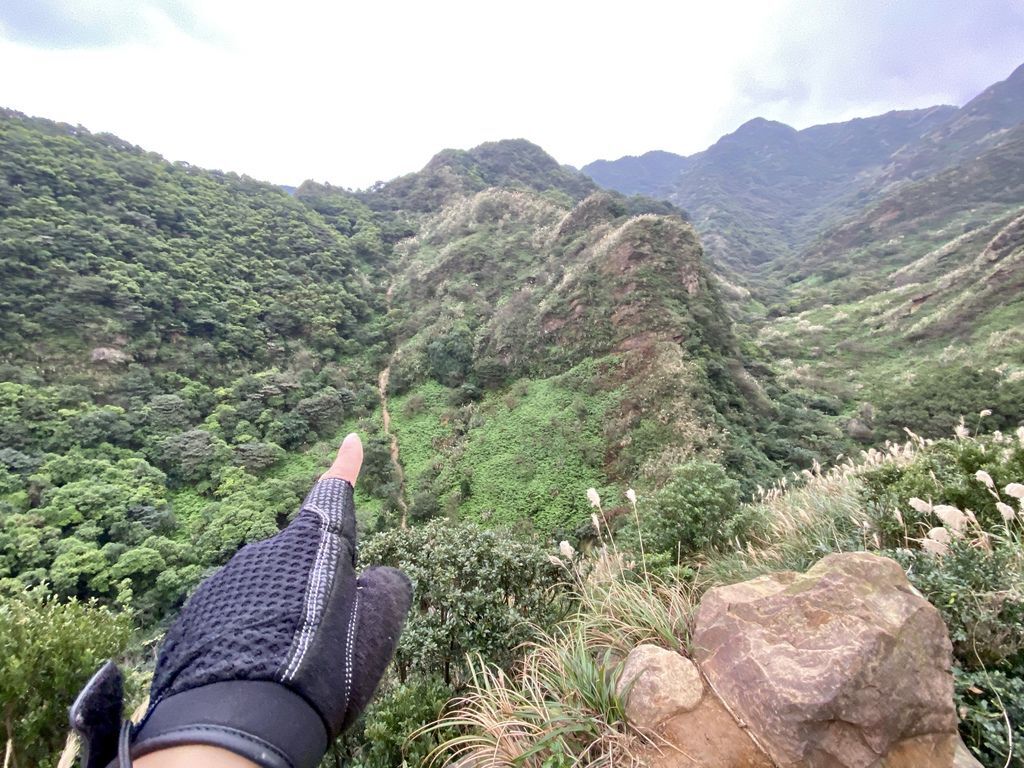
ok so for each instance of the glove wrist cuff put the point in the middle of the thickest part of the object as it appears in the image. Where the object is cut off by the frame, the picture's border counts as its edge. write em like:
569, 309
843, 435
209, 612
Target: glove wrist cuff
262, 721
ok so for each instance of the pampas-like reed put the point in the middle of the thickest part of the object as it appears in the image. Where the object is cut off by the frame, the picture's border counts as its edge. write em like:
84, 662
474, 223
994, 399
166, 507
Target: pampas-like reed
561, 706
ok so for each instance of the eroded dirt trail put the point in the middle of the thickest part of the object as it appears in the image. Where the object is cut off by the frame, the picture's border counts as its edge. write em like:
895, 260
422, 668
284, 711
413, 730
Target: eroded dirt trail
382, 389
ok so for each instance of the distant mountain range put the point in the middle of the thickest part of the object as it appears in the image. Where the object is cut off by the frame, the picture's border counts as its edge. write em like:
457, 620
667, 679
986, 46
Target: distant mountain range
766, 193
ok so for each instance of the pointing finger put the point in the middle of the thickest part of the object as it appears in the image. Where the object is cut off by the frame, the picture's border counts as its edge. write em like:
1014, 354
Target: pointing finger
348, 461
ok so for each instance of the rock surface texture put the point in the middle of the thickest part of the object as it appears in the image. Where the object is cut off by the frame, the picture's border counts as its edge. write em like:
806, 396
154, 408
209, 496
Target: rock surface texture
657, 684
845, 666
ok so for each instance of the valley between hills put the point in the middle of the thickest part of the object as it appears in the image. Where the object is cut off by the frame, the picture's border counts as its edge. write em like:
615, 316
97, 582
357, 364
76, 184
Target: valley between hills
793, 344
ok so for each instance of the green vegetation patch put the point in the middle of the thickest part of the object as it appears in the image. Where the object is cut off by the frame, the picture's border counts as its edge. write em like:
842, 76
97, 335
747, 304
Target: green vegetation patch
421, 421
534, 452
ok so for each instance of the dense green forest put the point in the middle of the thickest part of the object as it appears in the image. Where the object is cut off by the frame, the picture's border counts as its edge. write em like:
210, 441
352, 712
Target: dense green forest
170, 336
182, 349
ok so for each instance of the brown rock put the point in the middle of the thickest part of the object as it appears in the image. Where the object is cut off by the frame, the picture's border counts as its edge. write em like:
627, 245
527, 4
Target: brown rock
839, 667
934, 749
707, 737
963, 757
657, 684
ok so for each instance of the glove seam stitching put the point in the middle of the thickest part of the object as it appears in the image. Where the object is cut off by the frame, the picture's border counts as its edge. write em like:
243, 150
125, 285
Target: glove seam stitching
303, 633
350, 650
317, 590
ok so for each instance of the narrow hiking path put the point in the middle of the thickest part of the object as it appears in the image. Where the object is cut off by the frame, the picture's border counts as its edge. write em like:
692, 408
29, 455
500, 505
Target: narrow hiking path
382, 390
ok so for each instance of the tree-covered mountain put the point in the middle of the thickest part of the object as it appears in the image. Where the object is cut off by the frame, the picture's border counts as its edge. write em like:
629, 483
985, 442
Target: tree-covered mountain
107, 246
181, 350
170, 336
453, 172
598, 333
876, 259
175, 342
970, 129
767, 191
761, 191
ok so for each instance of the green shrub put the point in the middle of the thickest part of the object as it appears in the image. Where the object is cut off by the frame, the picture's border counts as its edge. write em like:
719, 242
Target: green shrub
384, 737
986, 701
697, 511
450, 357
474, 591
933, 402
944, 472
979, 594
48, 650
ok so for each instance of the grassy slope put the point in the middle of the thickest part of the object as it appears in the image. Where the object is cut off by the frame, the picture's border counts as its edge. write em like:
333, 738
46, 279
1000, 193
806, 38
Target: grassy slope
566, 683
524, 455
959, 304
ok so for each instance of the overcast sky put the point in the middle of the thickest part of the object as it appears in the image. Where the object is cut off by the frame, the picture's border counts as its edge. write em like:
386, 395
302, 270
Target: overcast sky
353, 92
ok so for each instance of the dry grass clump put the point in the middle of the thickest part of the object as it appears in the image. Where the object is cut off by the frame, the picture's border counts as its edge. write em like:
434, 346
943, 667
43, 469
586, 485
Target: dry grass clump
817, 512
806, 516
561, 707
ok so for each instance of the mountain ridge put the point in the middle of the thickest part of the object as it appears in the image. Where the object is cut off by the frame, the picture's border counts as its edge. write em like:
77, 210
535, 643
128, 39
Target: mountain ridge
451, 172
523, 354
766, 190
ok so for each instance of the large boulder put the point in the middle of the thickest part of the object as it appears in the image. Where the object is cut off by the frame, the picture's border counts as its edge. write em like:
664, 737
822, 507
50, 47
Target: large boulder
845, 666
657, 684
705, 737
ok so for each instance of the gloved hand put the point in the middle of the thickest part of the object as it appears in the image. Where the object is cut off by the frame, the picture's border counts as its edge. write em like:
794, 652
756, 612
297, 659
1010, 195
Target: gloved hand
275, 654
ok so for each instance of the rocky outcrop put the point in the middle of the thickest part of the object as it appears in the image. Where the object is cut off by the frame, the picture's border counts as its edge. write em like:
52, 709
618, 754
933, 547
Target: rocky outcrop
665, 696
110, 355
658, 684
844, 666
706, 737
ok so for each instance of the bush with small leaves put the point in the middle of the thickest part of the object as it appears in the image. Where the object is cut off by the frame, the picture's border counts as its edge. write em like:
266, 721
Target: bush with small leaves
697, 511
384, 736
48, 650
475, 590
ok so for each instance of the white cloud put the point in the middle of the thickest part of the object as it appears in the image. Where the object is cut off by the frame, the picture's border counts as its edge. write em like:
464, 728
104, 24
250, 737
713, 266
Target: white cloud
356, 92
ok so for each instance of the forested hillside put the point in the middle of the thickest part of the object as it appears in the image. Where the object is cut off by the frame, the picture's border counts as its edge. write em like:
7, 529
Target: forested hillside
181, 351
181, 348
169, 335
889, 285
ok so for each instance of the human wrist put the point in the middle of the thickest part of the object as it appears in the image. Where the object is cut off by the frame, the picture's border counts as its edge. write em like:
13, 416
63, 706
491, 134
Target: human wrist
261, 721
193, 756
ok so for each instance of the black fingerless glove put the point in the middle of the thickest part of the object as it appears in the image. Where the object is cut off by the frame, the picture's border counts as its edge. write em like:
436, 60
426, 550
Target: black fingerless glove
273, 656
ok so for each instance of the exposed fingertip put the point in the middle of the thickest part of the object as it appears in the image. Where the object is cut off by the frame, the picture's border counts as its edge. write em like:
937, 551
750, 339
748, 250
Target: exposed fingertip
349, 459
